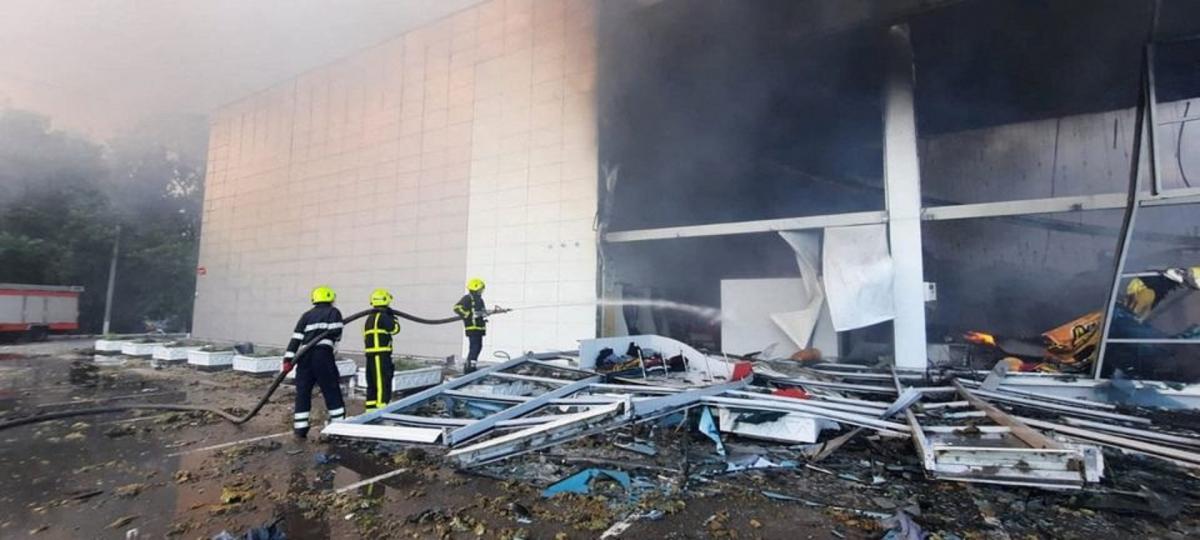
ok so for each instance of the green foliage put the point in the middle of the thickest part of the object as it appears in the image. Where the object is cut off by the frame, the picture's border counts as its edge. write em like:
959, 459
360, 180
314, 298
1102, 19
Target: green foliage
62, 199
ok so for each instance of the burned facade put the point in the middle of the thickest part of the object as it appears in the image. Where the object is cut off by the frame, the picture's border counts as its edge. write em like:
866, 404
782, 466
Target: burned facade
616, 153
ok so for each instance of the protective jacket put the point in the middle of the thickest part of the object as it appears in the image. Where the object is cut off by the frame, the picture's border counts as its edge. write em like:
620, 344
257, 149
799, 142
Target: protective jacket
320, 318
381, 325
473, 312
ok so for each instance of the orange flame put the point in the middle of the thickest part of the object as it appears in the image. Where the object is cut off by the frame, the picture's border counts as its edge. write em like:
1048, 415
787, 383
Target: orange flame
980, 338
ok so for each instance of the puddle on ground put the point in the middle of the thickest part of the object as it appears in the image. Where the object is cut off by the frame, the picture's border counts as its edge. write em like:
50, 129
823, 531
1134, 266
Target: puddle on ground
352, 467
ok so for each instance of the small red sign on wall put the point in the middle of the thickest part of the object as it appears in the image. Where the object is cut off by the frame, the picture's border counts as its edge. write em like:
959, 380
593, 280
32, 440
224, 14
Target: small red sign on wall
200, 271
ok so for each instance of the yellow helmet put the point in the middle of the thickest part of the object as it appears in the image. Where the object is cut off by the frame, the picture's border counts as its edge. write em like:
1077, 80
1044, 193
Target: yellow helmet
475, 284
323, 294
381, 298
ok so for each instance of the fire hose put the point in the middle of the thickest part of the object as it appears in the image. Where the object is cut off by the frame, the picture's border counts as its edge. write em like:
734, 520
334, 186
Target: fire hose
230, 417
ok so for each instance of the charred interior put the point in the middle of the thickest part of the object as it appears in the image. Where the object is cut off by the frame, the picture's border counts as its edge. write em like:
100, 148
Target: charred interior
737, 113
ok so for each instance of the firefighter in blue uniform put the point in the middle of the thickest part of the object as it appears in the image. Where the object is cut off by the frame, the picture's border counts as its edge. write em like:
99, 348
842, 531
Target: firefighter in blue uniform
381, 325
317, 367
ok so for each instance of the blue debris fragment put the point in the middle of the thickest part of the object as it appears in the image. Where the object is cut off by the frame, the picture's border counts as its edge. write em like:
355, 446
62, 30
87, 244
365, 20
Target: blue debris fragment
755, 461
708, 426
581, 481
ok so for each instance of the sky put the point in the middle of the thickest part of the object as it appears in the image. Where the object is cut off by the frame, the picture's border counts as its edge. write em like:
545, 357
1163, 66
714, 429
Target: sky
100, 67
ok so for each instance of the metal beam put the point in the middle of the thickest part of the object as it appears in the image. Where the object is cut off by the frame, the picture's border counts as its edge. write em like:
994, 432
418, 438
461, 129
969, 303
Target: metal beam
1023, 207
1152, 121
1129, 219
1142, 434
531, 378
872, 422
1072, 410
563, 429
466, 432
1027, 434
429, 393
484, 396
1132, 445
750, 227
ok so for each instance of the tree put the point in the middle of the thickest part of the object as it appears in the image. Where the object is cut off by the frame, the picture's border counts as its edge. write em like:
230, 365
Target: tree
157, 192
61, 198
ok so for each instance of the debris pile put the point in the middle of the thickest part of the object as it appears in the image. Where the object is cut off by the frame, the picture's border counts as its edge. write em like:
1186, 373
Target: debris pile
638, 440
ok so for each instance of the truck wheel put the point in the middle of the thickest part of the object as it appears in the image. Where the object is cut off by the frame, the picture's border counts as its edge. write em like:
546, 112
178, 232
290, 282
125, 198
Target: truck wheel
39, 333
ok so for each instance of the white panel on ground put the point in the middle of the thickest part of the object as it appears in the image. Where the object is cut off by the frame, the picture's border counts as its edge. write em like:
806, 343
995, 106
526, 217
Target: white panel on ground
792, 428
858, 276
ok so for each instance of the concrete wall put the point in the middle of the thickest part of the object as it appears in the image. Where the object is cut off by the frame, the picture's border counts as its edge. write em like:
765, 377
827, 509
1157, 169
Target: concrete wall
533, 178
392, 167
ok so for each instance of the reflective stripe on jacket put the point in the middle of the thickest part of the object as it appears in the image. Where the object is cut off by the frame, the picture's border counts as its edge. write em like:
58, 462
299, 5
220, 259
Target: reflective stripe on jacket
378, 331
472, 310
320, 318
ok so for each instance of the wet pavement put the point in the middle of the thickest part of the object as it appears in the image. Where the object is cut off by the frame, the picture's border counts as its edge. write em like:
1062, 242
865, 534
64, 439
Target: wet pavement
190, 475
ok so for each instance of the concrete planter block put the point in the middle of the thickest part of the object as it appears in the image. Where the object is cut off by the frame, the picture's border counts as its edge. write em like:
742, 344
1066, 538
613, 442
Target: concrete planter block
210, 358
109, 345
257, 364
407, 379
168, 353
108, 360
346, 369
133, 348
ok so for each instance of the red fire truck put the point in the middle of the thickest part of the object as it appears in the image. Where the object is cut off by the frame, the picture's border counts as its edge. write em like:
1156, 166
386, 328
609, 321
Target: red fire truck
35, 311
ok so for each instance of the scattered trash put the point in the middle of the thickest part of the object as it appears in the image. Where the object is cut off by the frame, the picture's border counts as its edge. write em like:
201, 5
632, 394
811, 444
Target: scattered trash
796, 393
644, 449
621, 526
121, 522
520, 513
129, 490
120, 431
708, 427
581, 481
900, 526
235, 494
322, 458
84, 495
755, 462
774, 495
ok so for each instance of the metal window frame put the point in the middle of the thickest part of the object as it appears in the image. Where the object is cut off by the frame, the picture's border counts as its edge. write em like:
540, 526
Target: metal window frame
454, 431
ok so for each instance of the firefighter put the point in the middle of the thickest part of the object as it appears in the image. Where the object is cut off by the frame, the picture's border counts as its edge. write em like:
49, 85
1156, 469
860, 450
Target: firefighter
381, 325
317, 367
474, 316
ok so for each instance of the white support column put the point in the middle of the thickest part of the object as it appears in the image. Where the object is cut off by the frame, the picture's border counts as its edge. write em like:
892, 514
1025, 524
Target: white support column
902, 187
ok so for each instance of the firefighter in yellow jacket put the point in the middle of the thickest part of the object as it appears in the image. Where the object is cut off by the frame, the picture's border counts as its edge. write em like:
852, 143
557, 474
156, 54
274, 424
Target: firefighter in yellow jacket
381, 325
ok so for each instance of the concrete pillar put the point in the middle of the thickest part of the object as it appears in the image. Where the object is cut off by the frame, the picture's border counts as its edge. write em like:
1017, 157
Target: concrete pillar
902, 188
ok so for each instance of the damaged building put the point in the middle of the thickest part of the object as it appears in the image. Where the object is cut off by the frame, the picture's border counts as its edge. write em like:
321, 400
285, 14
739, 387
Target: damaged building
840, 268
860, 178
